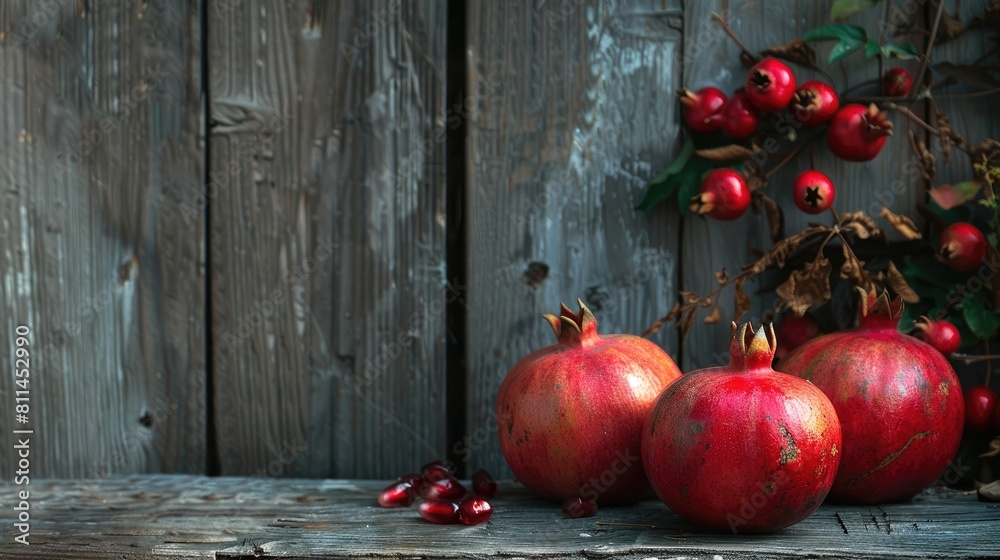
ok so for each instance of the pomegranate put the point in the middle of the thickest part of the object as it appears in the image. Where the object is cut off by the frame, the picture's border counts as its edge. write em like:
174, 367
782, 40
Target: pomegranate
963, 246
473, 511
445, 489
898, 399
441, 512
770, 85
980, 406
896, 82
793, 331
399, 494
739, 117
813, 192
570, 415
723, 195
702, 109
742, 447
941, 334
857, 133
813, 104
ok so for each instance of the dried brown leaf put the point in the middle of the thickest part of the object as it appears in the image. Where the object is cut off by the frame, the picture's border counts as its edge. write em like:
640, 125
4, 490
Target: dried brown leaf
869, 225
853, 269
949, 27
688, 322
928, 167
857, 230
675, 312
902, 224
798, 51
895, 281
989, 492
944, 127
742, 303
807, 288
722, 276
714, 317
724, 153
775, 218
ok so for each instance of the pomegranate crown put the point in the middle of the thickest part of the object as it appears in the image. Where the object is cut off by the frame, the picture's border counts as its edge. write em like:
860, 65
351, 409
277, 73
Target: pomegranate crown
751, 348
573, 328
880, 305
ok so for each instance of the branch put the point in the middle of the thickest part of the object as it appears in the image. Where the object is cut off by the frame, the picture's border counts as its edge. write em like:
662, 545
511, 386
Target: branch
927, 52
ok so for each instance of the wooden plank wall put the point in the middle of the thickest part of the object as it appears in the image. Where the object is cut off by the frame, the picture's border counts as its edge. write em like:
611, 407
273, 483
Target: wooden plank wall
100, 147
298, 181
327, 236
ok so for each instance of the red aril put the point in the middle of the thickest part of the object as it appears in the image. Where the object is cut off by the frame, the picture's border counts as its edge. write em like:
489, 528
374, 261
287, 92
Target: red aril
739, 118
570, 415
962, 247
473, 511
399, 494
483, 484
980, 407
436, 470
814, 103
742, 447
793, 331
813, 192
575, 508
857, 133
702, 109
445, 489
940, 334
770, 85
441, 512
723, 195
898, 400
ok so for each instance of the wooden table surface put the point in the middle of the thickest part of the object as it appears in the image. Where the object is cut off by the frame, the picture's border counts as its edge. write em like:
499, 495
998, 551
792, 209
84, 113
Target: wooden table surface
170, 516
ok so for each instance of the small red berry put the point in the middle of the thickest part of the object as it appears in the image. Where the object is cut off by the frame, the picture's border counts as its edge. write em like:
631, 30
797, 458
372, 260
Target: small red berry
857, 133
942, 335
702, 109
813, 192
770, 85
575, 508
962, 247
436, 470
473, 511
723, 195
439, 511
398, 494
739, 117
896, 82
483, 484
793, 331
980, 407
814, 103
445, 489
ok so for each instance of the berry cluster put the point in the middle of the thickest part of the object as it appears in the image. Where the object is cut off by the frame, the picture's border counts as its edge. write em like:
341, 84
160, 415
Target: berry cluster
854, 132
445, 499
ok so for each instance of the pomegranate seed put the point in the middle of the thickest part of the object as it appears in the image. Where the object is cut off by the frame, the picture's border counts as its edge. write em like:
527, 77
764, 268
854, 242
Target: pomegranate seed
574, 508
398, 494
445, 489
473, 511
416, 480
436, 470
483, 484
439, 511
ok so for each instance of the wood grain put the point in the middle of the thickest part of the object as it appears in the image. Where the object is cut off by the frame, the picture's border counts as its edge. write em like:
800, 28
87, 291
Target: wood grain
159, 516
327, 236
576, 115
712, 58
100, 146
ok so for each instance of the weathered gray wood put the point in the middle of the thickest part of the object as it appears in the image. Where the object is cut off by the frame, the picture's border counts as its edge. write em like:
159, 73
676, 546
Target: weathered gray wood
327, 235
575, 114
100, 151
712, 58
195, 517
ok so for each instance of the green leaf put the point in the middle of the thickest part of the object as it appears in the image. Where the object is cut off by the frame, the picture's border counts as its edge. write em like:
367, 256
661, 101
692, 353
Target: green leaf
842, 9
902, 50
850, 39
872, 48
950, 196
662, 187
982, 321
690, 179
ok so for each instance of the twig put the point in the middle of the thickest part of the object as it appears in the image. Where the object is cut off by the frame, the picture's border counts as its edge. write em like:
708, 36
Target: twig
927, 52
806, 142
970, 94
858, 85
725, 27
913, 117
973, 358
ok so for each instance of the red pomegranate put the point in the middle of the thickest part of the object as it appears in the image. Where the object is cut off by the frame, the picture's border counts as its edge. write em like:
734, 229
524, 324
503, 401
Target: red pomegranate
793, 331
571, 414
742, 447
898, 399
